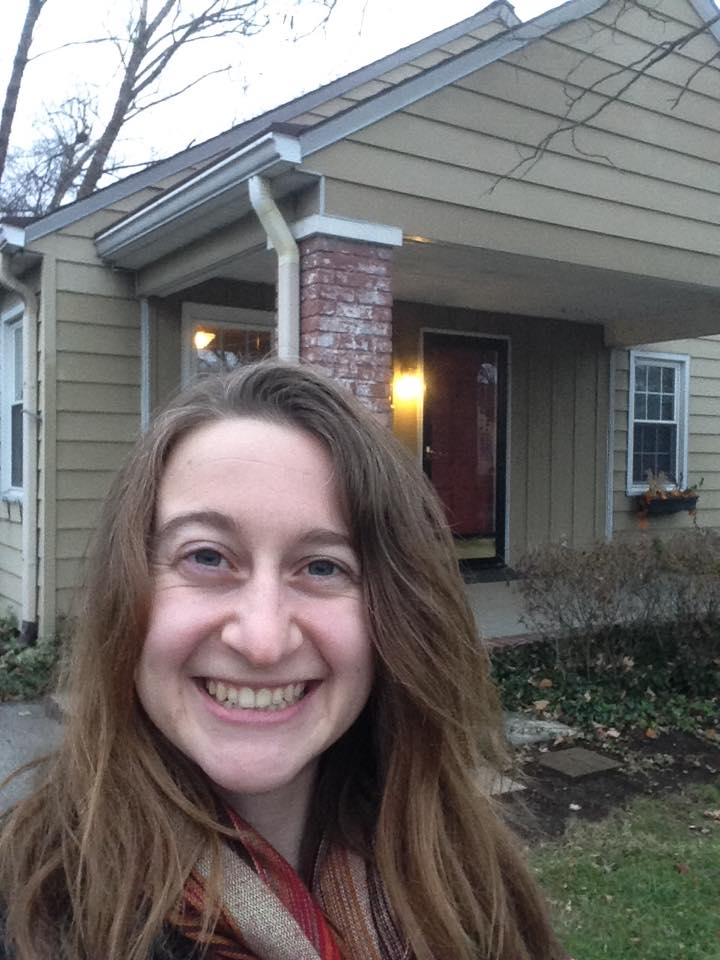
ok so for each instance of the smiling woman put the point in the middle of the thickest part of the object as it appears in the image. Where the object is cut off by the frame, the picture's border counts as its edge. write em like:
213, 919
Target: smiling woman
279, 708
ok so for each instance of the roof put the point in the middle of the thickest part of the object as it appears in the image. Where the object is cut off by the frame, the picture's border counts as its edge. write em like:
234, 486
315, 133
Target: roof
499, 13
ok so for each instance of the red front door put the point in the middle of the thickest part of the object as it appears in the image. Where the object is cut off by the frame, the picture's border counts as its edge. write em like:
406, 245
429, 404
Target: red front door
463, 436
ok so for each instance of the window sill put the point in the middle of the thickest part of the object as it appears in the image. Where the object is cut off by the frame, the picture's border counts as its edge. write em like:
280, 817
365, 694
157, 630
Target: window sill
12, 496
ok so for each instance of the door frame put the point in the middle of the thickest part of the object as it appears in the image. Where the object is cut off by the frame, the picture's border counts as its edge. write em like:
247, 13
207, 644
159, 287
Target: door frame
503, 503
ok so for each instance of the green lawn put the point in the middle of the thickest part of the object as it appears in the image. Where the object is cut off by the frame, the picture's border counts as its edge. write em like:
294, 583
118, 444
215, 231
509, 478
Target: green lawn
642, 885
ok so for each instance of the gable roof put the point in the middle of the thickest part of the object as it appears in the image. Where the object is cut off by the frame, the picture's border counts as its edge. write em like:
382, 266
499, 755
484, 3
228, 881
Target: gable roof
216, 148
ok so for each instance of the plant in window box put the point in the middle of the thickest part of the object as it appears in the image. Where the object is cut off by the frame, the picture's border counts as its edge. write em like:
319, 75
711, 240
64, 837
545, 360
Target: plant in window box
664, 496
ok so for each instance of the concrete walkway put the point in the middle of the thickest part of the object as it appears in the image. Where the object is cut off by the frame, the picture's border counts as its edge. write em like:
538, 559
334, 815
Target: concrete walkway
498, 609
27, 731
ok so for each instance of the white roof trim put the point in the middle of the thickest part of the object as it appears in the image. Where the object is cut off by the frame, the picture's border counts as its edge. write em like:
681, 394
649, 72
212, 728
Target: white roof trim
11, 238
362, 230
273, 151
414, 89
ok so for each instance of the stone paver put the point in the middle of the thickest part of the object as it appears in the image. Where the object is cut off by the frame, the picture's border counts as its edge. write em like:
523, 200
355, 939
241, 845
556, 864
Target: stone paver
577, 762
521, 730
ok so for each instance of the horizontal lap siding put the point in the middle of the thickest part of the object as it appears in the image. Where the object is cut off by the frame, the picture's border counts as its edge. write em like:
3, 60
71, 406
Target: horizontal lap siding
638, 186
10, 558
558, 391
703, 440
98, 391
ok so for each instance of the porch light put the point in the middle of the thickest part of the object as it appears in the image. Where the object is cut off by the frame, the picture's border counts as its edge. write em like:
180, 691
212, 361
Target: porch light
408, 387
202, 339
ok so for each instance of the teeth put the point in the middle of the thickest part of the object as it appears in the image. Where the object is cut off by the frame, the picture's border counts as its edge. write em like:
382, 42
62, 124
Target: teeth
275, 698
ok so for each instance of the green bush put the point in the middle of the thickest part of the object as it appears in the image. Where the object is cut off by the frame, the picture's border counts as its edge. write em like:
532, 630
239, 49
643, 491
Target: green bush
26, 672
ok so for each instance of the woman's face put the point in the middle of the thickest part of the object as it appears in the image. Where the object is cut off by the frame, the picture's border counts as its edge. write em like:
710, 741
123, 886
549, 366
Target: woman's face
257, 656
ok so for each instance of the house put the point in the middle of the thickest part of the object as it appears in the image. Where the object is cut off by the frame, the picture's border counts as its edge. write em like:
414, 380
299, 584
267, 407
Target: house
526, 217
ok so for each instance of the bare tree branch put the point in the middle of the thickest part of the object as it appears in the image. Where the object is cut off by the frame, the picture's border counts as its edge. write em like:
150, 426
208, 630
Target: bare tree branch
12, 93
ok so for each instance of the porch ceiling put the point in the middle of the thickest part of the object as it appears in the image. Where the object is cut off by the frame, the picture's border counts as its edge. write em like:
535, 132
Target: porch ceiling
632, 309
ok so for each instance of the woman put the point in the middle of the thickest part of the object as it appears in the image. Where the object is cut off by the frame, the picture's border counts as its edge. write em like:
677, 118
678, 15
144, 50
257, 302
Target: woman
278, 709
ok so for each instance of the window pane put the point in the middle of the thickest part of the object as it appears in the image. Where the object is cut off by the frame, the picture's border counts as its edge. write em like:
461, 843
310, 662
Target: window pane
641, 377
229, 347
668, 380
668, 408
655, 448
640, 406
17, 344
16, 445
653, 379
653, 406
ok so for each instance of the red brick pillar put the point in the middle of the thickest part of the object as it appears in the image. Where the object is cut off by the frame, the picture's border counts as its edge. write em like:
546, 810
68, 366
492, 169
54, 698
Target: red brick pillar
346, 315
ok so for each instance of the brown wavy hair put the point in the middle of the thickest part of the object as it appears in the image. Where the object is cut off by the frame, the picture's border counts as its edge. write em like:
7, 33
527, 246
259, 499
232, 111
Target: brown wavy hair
94, 860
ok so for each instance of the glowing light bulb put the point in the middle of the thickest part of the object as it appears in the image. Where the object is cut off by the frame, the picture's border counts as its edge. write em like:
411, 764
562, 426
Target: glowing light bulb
408, 387
202, 339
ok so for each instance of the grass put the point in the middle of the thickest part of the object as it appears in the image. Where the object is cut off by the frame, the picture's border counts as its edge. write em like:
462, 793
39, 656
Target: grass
642, 885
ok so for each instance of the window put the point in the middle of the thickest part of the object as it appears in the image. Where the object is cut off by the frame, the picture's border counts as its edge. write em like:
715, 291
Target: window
216, 339
11, 412
657, 418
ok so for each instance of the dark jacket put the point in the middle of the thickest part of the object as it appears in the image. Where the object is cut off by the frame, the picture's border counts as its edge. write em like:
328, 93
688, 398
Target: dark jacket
171, 946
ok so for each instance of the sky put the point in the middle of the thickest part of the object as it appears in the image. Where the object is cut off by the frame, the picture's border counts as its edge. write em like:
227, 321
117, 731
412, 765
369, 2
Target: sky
268, 69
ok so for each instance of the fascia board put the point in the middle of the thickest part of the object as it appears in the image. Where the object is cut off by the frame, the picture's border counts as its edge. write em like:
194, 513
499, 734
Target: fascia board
708, 13
106, 196
12, 238
450, 71
274, 151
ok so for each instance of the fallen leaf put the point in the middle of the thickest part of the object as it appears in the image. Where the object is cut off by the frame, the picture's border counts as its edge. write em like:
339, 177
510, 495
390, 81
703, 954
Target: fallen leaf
682, 868
651, 733
575, 806
541, 705
545, 684
612, 732
712, 814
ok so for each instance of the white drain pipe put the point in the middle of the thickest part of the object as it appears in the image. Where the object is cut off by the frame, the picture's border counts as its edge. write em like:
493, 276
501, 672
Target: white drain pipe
288, 272
28, 628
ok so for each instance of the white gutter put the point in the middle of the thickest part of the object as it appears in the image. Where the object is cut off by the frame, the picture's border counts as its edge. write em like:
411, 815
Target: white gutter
288, 272
28, 630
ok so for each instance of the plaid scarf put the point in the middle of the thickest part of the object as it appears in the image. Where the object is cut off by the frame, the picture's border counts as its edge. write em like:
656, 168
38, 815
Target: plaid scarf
269, 914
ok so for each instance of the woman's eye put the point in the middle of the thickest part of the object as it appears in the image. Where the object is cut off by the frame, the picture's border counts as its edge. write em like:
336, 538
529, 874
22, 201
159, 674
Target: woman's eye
206, 557
322, 568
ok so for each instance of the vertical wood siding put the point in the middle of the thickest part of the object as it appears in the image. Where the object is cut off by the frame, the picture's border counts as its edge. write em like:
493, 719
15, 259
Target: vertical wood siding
558, 396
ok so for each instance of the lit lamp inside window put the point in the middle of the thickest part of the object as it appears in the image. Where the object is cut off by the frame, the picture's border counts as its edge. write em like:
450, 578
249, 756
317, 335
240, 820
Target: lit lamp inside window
203, 338
408, 387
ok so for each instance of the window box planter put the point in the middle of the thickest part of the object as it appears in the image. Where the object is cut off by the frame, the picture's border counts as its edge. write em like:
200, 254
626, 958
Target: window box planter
656, 506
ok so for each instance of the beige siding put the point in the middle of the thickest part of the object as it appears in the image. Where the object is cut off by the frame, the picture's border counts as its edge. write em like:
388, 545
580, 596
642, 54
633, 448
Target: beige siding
558, 390
703, 439
497, 159
96, 391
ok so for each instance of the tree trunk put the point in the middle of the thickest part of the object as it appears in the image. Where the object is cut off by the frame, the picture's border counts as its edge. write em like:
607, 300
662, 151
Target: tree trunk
13, 89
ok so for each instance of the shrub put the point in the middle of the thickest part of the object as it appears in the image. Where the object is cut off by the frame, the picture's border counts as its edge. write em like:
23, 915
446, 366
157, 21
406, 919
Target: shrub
630, 634
646, 599
25, 671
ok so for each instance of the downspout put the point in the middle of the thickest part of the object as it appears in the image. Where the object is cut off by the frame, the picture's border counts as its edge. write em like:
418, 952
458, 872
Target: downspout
29, 625
288, 271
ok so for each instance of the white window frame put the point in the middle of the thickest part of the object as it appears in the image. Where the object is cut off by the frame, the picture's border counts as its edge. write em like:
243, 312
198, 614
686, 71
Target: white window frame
12, 321
681, 362
225, 317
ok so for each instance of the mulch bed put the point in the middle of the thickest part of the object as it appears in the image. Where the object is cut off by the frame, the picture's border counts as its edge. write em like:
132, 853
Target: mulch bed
648, 767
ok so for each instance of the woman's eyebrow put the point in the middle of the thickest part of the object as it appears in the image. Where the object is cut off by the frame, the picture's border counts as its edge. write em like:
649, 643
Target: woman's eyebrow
208, 518
322, 537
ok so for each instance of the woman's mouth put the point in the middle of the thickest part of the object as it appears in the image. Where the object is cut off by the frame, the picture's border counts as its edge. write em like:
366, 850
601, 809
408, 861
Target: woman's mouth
246, 698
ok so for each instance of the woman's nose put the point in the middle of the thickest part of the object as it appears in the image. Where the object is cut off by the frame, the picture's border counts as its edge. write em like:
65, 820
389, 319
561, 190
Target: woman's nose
260, 624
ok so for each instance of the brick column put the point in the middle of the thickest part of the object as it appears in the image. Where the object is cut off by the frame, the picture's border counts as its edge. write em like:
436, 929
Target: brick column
346, 315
